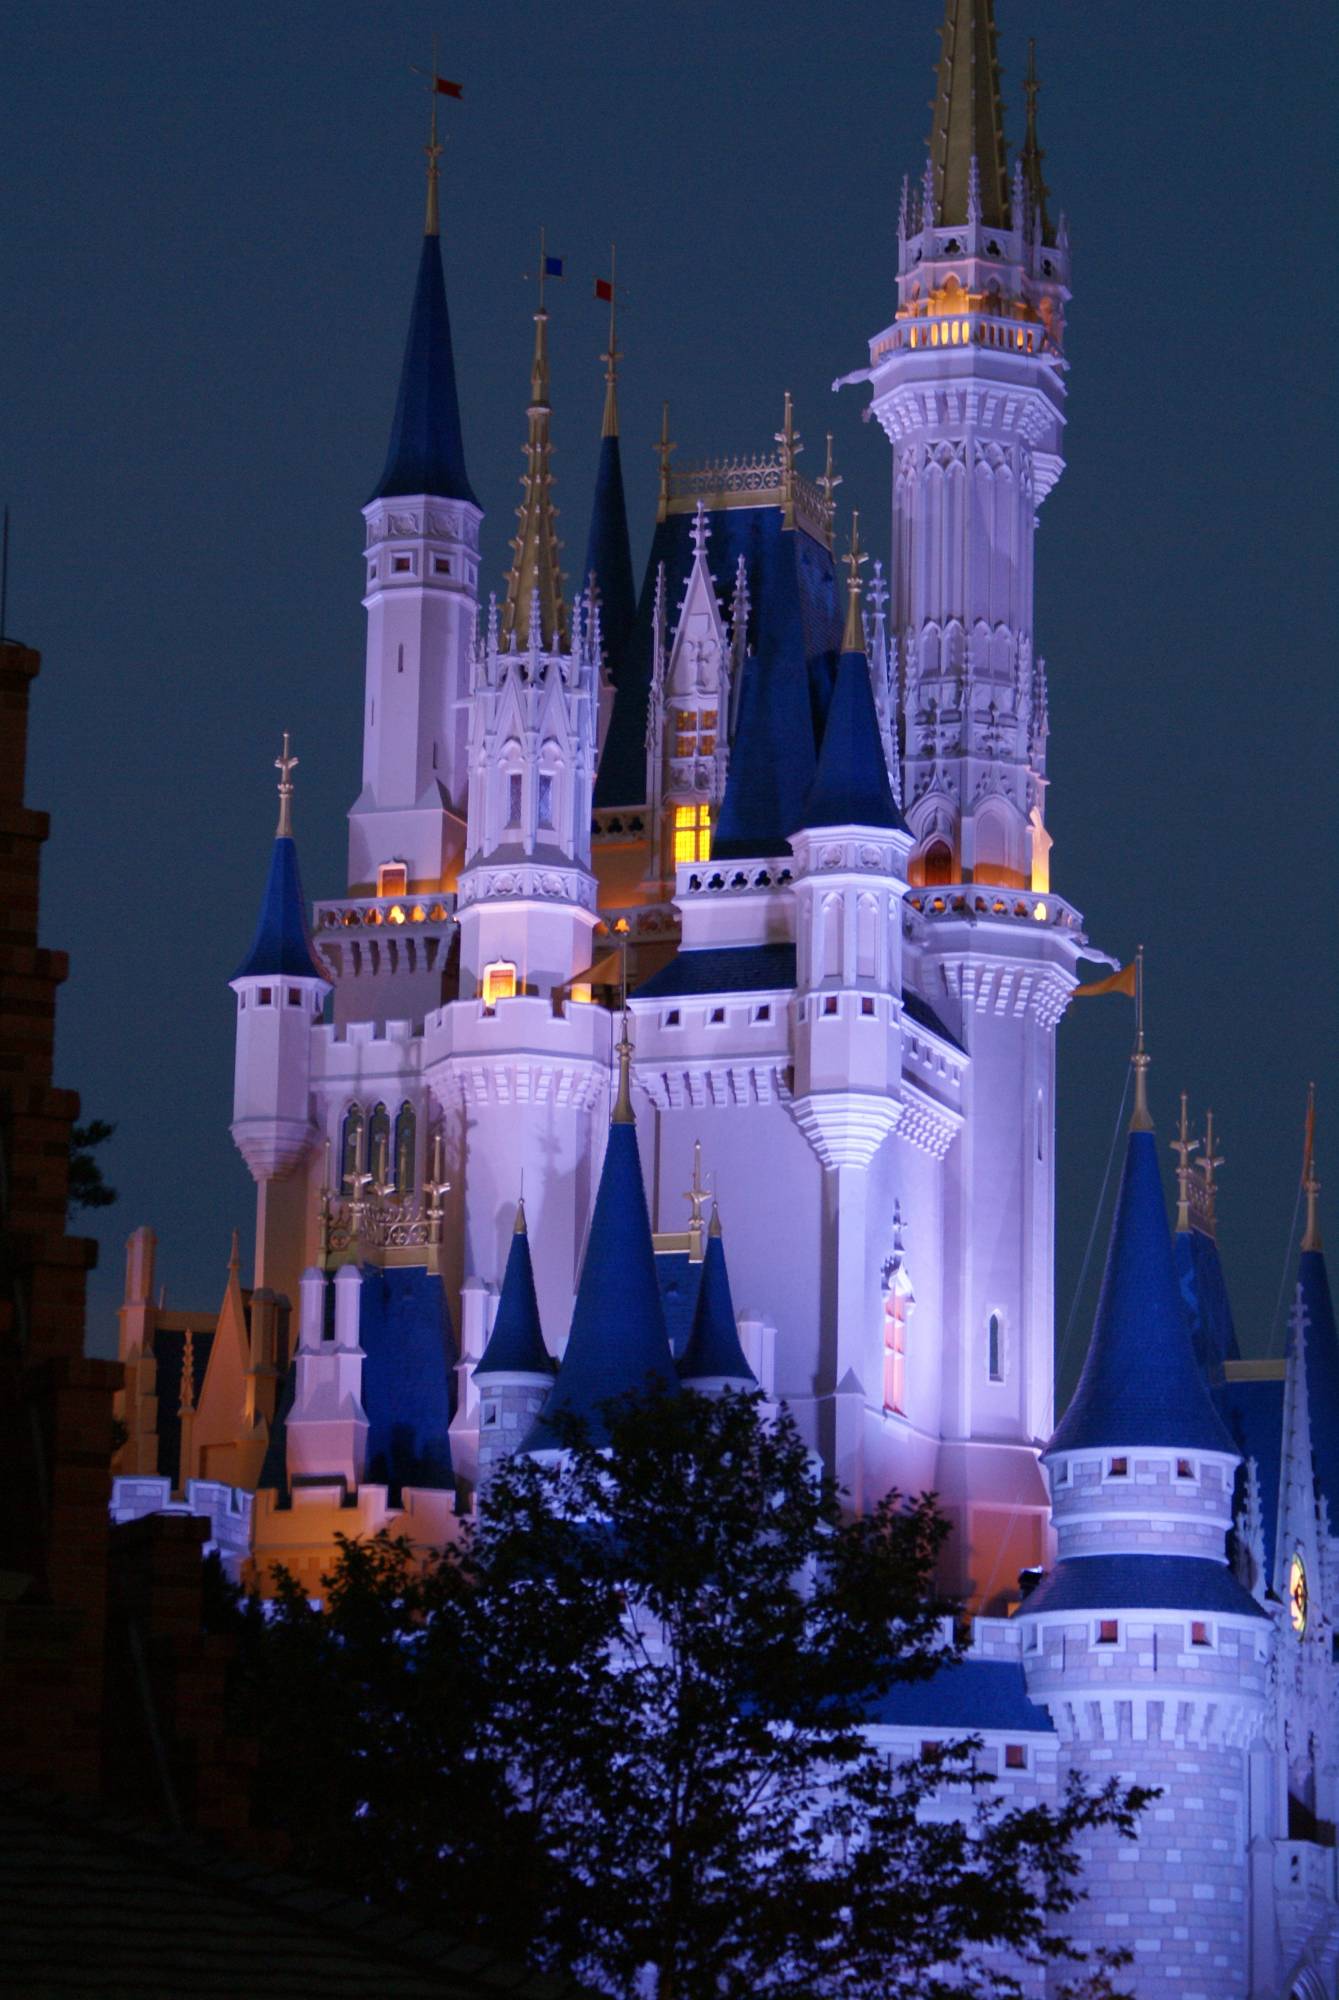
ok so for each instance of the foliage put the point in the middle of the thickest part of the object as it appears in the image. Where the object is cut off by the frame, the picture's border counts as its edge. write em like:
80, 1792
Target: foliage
87, 1188
621, 1728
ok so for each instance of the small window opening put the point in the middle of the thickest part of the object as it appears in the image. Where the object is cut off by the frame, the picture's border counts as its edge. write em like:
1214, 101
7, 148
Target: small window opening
513, 798
1199, 1632
1108, 1631
1015, 1756
265, 997
399, 659
294, 996
866, 1005
763, 1013
393, 878
1184, 1469
717, 1016
546, 799
499, 982
402, 565
441, 566
994, 1349
830, 1004
1119, 1468
672, 1018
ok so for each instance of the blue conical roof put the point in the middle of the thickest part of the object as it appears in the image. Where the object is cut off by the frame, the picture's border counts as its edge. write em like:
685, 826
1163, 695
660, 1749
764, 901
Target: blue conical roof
1204, 1290
516, 1344
1322, 1374
427, 451
850, 785
618, 1344
713, 1352
282, 944
609, 557
1141, 1383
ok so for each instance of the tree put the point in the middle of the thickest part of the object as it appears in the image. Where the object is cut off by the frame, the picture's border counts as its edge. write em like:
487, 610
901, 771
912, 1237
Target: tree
86, 1187
623, 1725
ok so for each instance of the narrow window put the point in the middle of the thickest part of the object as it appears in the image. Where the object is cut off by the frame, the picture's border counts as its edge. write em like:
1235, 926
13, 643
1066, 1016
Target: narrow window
399, 659
1108, 1631
545, 799
692, 833
489, 1418
514, 798
265, 997
499, 982
1184, 1469
392, 878
371, 572
866, 1005
1015, 1756
294, 996
379, 1146
1199, 1632
895, 1352
350, 1148
994, 1350
937, 864
404, 1148
830, 1004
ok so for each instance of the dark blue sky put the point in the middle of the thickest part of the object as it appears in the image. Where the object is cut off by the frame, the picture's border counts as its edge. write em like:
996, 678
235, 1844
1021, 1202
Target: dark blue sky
211, 227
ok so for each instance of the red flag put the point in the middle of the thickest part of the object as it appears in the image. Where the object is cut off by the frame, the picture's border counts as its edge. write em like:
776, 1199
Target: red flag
604, 290
445, 89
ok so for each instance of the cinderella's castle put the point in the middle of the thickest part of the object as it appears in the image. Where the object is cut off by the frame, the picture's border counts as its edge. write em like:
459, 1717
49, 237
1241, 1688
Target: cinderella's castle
691, 1008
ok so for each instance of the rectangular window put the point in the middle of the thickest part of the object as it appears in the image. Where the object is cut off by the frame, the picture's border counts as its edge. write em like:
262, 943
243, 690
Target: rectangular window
1199, 1632
717, 1016
1119, 1468
672, 1018
830, 1004
1015, 1756
545, 799
895, 1353
994, 1349
763, 1013
265, 997
514, 798
1108, 1632
402, 565
440, 566
294, 996
1184, 1469
489, 1416
866, 1005
392, 878
692, 833
499, 982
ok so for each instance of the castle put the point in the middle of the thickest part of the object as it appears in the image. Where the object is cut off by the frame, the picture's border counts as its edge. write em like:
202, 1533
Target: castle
735, 891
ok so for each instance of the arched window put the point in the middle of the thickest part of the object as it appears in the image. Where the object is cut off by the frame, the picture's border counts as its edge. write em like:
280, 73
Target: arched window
994, 1348
937, 864
895, 1352
499, 982
867, 938
830, 938
351, 1148
992, 851
404, 1149
379, 1146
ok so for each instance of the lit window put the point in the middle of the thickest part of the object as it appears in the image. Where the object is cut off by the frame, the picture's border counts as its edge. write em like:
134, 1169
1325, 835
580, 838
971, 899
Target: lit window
994, 1349
1015, 1756
1199, 1632
392, 878
830, 1004
692, 833
545, 799
514, 798
1108, 1631
895, 1352
395, 914
1119, 1468
499, 982
866, 1005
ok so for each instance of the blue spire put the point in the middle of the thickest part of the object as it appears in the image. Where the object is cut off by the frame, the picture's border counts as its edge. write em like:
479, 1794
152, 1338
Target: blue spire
713, 1353
1322, 1373
427, 452
1204, 1291
850, 786
618, 1344
609, 555
1141, 1383
282, 944
516, 1344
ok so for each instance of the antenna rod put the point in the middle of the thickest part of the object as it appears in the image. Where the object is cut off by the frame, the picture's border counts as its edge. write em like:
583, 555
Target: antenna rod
4, 575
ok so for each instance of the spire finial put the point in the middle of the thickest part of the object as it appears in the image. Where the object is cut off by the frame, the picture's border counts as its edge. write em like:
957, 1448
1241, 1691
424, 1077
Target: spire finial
1310, 1184
853, 638
235, 1254
1141, 1119
1183, 1146
285, 764
518, 1227
663, 447
623, 1113
534, 576
791, 446
696, 1197
968, 118
827, 486
1032, 156
1208, 1164
611, 357
433, 150
714, 1226
701, 529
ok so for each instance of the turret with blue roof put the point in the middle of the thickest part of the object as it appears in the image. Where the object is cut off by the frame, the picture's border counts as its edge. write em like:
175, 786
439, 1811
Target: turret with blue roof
281, 947
608, 548
515, 1372
618, 1344
713, 1359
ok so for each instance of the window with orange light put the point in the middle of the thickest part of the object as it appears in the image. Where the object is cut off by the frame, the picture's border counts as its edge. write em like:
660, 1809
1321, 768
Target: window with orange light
895, 1353
692, 833
499, 982
392, 878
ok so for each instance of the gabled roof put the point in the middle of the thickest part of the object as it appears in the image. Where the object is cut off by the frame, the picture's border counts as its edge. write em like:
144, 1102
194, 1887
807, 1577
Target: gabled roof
427, 452
282, 944
1141, 1583
609, 558
1203, 1288
850, 785
794, 634
618, 1344
1141, 1383
516, 1344
404, 1328
1322, 1374
713, 1353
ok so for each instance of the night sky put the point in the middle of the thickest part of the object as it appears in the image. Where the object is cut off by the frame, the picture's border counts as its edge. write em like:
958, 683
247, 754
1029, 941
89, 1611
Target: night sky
211, 230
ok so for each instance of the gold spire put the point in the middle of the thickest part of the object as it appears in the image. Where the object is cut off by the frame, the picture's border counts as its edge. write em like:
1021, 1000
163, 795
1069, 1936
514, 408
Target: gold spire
696, 1197
791, 446
1208, 1164
1141, 1119
1310, 1185
1183, 1146
534, 567
611, 359
285, 764
663, 448
853, 638
968, 117
1031, 157
623, 1113
714, 1226
518, 1227
827, 486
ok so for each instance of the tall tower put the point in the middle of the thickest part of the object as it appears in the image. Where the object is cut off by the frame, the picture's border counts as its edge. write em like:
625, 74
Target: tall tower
968, 384
422, 577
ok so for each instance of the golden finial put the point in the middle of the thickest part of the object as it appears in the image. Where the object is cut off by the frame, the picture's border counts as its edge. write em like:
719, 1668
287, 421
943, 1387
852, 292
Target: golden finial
611, 359
1183, 1146
1310, 1185
534, 568
285, 764
714, 1226
434, 1190
853, 638
696, 1196
1208, 1164
623, 1113
827, 486
518, 1227
789, 440
1141, 1119
663, 448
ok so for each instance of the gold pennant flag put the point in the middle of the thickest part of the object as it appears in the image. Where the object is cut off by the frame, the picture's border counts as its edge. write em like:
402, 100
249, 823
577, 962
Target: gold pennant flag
1117, 982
